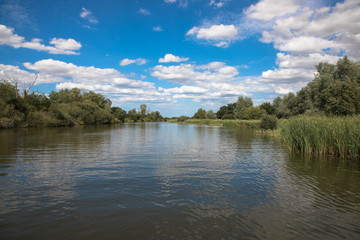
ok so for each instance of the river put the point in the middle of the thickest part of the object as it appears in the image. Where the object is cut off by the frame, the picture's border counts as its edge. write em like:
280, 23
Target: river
170, 181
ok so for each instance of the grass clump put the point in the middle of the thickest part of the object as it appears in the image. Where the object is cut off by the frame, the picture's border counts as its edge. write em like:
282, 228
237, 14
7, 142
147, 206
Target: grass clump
338, 136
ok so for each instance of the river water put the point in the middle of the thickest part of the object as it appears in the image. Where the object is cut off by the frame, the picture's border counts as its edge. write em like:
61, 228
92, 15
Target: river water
170, 181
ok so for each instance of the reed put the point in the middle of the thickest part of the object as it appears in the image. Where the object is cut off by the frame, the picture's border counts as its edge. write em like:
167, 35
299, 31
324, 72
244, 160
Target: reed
338, 136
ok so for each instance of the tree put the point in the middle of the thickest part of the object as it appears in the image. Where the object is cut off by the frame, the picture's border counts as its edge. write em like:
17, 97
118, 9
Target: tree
142, 111
118, 113
132, 115
241, 105
200, 114
270, 110
253, 113
210, 115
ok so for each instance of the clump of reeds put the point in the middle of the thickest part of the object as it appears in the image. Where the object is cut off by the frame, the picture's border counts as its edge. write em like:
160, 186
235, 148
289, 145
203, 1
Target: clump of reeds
338, 136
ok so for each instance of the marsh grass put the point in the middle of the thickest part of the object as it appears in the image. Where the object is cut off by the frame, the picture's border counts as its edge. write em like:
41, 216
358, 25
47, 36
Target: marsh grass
338, 136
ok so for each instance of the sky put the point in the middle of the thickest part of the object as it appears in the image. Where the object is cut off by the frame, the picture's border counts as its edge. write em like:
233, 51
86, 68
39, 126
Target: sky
176, 56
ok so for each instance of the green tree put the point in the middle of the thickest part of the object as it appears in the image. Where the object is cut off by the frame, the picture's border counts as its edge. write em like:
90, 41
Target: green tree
242, 104
118, 113
210, 115
225, 110
132, 115
270, 110
253, 113
200, 114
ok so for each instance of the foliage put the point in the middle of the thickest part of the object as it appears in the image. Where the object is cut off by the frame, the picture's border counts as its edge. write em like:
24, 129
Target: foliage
338, 136
228, 117
118, 113
200, 114
225, 110
270, 109
253, 113
268, 122
242, 104
335, 91
210, 115
182, 118
63, 108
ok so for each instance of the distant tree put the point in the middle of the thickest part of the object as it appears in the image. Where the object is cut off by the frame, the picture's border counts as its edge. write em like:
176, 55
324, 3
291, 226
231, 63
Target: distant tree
270, 110
142, 111
200, 114
210, 115
118, 113
225, 110
253, 113
242, 104
132, 115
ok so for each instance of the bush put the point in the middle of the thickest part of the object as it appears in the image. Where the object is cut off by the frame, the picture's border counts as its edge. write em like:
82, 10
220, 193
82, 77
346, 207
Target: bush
182, 118
268, 122
228, 117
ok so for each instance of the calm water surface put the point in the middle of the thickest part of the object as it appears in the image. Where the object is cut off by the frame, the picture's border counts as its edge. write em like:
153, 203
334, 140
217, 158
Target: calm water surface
170, 181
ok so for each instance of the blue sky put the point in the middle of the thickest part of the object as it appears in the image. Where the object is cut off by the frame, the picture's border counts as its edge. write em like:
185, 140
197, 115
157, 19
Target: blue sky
175, 55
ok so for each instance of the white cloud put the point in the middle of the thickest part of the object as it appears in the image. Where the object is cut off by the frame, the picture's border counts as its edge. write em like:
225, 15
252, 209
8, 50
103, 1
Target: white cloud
87, 15
188, 73
7, 37
62, 46
170, 1
305, 35
217, 3
172, 58
218, 35
107, 81
65, 44
269, 9
158, 29
315, 30
138, 61
144, 11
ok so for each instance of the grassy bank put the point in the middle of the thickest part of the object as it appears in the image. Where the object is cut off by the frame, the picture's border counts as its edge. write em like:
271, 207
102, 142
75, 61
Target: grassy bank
338, 136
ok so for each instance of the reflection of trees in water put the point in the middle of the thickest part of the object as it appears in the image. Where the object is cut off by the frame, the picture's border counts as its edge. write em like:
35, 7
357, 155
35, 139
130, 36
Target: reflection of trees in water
326, 175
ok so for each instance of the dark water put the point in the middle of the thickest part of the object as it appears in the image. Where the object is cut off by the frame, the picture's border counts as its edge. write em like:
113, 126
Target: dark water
170, 181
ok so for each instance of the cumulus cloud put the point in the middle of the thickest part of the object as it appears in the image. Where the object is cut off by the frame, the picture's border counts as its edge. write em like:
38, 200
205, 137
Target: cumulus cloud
305, 35
217, 35
170, 1
87, 15
188, 73
172, 58
138, 61
211, 82
61, 46
107, 81
269, 9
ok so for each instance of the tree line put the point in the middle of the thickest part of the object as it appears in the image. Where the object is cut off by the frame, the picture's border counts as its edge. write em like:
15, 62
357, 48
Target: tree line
63, 108
335, 91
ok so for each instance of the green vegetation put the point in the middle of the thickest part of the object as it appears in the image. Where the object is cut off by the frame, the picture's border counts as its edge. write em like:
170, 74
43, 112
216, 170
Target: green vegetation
63, 108
338, 136
268, 122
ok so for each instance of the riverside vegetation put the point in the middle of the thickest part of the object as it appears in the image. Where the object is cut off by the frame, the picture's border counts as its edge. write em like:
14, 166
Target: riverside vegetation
63, 108
323, 117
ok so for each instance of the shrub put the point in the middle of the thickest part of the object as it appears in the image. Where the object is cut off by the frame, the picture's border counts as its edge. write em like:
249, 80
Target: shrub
182, 118
228, 117
268, 122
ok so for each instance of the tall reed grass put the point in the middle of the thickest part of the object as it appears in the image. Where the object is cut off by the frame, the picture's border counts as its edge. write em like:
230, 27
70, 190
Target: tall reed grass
338, 136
